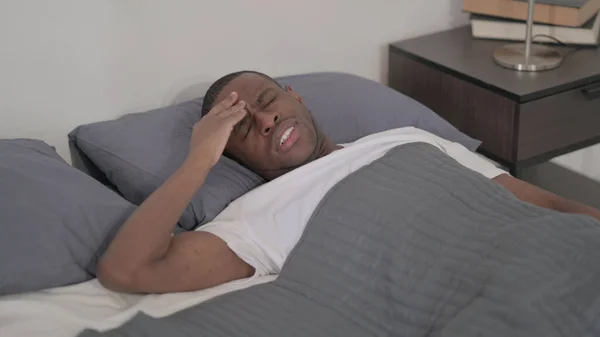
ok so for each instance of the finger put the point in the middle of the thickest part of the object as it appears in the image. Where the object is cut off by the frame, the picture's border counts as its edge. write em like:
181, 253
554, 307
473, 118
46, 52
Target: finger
238, 106
235, 117
224, 104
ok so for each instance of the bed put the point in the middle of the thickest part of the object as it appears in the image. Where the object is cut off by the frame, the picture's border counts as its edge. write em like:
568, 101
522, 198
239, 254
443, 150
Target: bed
66, 311
450, 272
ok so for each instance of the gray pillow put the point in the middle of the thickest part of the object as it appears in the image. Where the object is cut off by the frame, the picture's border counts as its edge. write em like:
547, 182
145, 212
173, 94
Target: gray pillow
56, 220
140, 151
347, 107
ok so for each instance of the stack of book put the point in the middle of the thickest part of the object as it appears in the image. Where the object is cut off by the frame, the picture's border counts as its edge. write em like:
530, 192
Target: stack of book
571, 22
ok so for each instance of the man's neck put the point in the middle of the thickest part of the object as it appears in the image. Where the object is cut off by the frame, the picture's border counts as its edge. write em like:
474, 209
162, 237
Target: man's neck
327, 147
324, 147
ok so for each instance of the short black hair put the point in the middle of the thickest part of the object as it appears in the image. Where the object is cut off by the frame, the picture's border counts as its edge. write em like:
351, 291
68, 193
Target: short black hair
215, 89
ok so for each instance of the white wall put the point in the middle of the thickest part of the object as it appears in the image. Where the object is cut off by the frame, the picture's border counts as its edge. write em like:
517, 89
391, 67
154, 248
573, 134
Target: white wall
68, 62
586, 162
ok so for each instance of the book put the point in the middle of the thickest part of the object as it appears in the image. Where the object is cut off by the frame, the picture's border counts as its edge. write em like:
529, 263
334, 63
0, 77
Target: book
507, 29
570, 13
563, 3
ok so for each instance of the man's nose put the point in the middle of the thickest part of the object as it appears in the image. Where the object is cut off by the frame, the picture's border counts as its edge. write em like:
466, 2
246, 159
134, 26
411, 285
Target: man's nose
266, 121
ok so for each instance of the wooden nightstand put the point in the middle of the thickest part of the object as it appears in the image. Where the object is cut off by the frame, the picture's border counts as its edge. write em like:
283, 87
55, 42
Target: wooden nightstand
522, 119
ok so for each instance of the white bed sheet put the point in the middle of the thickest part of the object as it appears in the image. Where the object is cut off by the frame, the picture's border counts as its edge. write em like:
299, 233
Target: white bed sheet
66, 311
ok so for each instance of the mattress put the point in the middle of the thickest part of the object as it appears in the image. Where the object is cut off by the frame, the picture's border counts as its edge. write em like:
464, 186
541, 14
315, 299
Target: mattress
66, 311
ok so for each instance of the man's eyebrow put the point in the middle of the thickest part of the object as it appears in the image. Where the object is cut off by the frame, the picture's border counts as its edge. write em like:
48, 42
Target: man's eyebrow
261, 97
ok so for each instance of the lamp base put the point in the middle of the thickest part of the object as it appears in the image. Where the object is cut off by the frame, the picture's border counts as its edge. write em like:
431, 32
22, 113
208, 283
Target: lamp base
541, 58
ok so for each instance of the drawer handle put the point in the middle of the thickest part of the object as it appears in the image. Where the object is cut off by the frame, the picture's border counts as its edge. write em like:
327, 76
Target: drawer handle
591, 92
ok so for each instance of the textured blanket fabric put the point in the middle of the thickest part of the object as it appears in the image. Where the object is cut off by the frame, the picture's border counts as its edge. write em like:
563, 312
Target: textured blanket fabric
414, 244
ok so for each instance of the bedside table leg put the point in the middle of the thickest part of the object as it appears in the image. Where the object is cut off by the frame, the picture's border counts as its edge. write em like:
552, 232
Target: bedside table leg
515, 171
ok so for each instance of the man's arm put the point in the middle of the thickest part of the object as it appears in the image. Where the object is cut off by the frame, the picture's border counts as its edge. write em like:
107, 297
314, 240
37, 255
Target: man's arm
144, 257
543, 198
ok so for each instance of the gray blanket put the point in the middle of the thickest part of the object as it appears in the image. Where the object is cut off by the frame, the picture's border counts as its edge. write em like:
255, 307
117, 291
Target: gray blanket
414, 244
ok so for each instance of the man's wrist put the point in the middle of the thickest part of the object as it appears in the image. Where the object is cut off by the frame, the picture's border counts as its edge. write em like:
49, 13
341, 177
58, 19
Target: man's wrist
197, 168
198, 162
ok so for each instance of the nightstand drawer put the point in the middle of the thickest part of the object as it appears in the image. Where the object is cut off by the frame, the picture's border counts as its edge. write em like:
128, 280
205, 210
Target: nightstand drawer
523, 119
558, 121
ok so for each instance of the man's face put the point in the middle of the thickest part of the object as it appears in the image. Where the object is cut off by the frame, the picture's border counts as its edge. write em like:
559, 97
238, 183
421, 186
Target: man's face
278, 134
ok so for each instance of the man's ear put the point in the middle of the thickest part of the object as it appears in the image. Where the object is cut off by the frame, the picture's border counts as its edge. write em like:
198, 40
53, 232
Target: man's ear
290, 91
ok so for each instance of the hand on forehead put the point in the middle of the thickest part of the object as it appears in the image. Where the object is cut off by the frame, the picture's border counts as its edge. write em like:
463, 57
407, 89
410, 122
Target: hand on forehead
250, 87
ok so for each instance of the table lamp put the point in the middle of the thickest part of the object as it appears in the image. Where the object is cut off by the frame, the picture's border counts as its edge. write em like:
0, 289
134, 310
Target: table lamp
528, 57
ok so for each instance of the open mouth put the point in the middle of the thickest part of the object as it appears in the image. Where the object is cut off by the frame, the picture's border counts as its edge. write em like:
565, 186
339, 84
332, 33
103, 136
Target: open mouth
286, 135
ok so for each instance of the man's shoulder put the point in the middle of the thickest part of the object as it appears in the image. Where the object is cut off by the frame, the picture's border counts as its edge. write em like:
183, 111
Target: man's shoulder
406, 132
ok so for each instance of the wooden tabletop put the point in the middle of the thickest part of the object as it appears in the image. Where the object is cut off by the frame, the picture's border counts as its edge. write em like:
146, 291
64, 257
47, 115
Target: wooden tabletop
456, 51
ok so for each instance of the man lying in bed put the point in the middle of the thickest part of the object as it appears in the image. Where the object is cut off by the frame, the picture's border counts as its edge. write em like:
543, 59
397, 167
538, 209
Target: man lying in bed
251, 119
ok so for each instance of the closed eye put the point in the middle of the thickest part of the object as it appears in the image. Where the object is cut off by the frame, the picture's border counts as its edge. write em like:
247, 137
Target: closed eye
248, 130
238, 127
270, 101
241, 124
